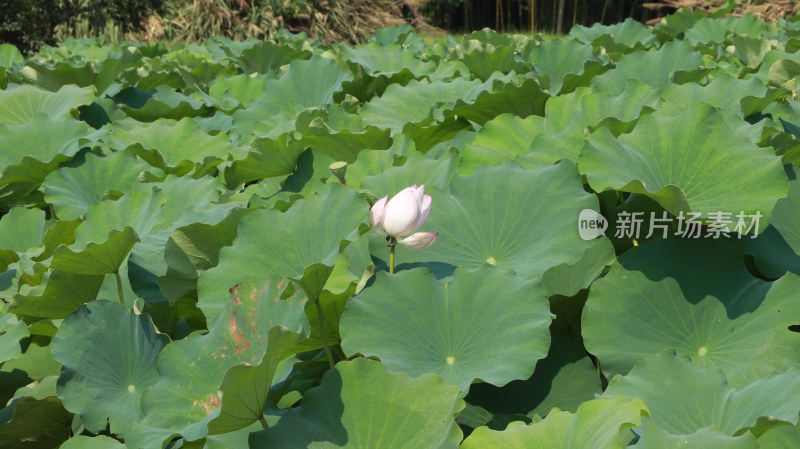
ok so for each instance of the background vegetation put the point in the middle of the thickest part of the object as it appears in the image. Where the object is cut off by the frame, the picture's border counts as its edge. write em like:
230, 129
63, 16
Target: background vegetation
29, 24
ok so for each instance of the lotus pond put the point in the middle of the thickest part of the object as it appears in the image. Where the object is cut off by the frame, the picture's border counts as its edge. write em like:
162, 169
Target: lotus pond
616, 264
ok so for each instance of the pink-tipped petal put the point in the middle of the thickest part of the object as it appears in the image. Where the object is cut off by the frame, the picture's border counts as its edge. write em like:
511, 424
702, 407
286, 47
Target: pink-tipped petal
377, 211
420, 240
424, 211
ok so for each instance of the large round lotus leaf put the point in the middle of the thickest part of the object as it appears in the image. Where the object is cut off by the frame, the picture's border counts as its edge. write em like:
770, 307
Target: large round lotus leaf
684, 398
598, 424
510, 217
361, 404
109, 357
695, 297
20, 104
175, 147
654, 437
688, 162
92, 258
310, 232
95, 442
72, 190
186, 397
484, 323
565, 379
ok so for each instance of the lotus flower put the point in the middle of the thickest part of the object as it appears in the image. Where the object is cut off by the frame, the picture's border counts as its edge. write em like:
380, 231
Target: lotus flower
401, 216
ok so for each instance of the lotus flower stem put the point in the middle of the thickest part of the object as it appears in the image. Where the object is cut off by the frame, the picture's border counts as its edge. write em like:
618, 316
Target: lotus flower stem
392, 245
324, 330
119, 288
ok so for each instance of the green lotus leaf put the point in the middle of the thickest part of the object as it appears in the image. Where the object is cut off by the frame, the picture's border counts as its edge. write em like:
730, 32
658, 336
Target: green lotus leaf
522, 96
654, 437
167, 103
267, 158
9, 57
34, 424
342, 144
360, 403
569, 279
186, 397
786, 214
20, 104
229, 93
95, 442
781, 437
28, 152
599, 423
12, 330
723, 92
563, 64
653, 67
697, 298
96, 258
417, 324
387, 60
309, 233
73, 190
38, 363
305, 84
684, 398
21, 231
629, 33
266, 56
564, 379
153, 213
751, 50
192, 249
412, 103
63, 293
109, 357
509, 217
418, 169
245, 387
483, 59
688, 162
503, 138
176, 147
52, 75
